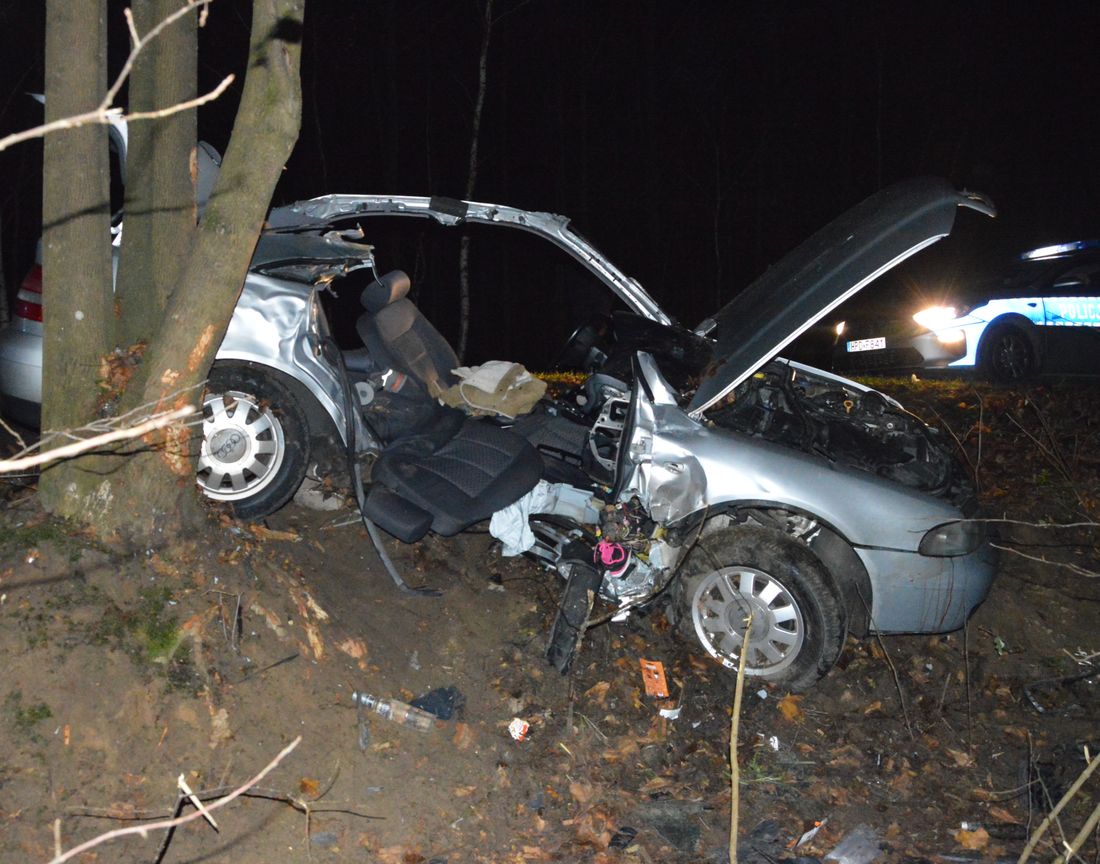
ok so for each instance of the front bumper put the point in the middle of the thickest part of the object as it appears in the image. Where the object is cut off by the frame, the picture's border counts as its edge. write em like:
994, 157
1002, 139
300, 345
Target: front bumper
914, 593
921, 351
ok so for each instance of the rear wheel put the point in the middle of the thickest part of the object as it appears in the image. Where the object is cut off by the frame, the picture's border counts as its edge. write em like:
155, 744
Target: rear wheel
1006, 354
798, 619
255, 443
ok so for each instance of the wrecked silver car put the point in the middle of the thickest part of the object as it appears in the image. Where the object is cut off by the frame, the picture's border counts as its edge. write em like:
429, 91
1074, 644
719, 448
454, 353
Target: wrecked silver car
693, 465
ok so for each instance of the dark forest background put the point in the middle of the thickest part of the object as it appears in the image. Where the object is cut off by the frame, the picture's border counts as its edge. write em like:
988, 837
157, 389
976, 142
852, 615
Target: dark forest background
694, 143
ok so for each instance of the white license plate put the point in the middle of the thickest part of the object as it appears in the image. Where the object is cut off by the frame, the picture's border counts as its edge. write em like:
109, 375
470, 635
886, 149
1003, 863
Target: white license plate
866, 344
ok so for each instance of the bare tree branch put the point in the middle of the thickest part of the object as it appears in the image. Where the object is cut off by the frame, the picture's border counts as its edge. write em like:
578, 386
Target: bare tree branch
144, 830
137, 43
83, 445
106, 112
1073, 568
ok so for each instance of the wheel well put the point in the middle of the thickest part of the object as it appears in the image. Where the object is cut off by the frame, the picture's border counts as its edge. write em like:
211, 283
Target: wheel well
830, 547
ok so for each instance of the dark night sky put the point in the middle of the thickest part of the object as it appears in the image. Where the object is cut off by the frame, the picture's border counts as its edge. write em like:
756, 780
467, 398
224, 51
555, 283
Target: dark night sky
694, 142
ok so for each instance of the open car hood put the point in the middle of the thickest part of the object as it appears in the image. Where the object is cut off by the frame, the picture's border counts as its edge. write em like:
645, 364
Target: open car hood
823, 272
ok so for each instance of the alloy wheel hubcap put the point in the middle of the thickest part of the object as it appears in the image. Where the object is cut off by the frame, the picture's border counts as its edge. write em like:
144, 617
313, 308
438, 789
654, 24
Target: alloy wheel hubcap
723, 603
242, 447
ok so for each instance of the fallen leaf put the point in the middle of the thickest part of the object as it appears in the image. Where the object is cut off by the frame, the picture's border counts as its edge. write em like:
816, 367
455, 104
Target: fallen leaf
464, 736
1002, 815
976, 840
872, 708
654, 784
581, 791
262, 533
315, 642
961, 759
309, 786
219, 723
790, 708
355, 649
598, 692
463, 791
318, 612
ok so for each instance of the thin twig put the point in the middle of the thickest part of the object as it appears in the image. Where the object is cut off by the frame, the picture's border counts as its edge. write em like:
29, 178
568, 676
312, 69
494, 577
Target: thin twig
182, 106
85, 444
978, 457
18, 438
735, 721
1053, 814
897, 684
106, 112
1078, 841
1073, 568
138, 43
144, 830
966, 671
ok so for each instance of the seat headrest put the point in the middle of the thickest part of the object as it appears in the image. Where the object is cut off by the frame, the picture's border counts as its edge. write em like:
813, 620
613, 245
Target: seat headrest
385, 290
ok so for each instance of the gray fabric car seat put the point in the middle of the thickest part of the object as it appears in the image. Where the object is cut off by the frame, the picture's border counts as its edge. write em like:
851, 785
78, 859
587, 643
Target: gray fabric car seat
400, 338
439, 470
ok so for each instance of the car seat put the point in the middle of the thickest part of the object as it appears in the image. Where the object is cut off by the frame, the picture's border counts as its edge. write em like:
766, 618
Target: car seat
438, 470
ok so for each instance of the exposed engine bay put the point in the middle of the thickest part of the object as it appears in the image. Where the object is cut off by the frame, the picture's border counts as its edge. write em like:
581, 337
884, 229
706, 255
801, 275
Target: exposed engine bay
785, 403
860, 428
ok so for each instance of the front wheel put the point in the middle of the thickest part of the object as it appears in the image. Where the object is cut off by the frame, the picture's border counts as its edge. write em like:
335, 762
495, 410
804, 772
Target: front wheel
799, 621
255, 443
1007, 355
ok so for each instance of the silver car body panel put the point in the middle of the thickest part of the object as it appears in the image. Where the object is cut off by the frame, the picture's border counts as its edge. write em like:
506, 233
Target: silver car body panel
328, 209
677, 466
271, 326
920, 594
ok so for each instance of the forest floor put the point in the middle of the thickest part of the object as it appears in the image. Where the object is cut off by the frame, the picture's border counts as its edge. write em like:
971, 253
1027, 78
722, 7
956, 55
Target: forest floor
124, 671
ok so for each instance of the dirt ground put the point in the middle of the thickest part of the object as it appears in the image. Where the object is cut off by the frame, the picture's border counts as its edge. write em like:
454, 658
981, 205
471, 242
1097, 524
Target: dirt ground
124, 671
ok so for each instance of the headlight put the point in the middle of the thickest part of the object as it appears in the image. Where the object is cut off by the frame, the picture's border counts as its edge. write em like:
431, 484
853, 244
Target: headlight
952, 538
935, 316
841, 326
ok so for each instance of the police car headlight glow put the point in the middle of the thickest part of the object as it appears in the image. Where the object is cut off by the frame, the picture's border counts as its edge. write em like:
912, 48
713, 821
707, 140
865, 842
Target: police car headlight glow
935, 316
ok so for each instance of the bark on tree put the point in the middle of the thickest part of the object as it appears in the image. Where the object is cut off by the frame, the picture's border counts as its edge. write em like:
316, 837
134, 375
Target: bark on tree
160, 188
76, 255
152, 494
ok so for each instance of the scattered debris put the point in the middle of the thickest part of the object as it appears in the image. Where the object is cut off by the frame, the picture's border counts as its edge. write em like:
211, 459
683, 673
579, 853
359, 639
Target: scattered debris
653, 677
861, 845
395, 710
518, 728
443, 702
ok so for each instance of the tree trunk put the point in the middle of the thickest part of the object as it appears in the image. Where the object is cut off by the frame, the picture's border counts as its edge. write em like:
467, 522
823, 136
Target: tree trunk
471, 179
160, 493
151, 495
160, 186
76, 253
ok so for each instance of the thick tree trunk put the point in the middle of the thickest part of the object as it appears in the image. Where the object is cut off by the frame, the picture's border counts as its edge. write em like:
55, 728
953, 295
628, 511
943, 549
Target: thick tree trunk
160, 187
160, 493
76, 249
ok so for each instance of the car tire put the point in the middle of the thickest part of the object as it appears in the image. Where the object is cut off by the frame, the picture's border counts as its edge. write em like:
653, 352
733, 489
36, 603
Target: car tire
1006, 354
799, 619
255, 445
